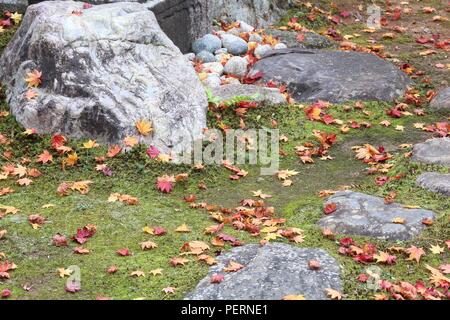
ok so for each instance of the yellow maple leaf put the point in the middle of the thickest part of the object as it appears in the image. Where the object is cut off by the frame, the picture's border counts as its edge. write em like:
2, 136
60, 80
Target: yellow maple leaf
164, 158
130, 141
144, 127
71, 159
148, 230
64, 272
90, 144
398, 220
285, 174
16, 17
81, 186
183, 228
138, 273
8, 209
260, 194
436, 249
156, 272
366, 152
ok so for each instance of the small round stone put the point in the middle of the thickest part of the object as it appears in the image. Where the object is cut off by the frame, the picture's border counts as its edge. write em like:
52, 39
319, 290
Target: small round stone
235, 45
280, 46
208, 42
230, 80
221, 51
190, 56
212, 81
213, 67
261, 50
236, 66
254, 37
245, 27
205, 56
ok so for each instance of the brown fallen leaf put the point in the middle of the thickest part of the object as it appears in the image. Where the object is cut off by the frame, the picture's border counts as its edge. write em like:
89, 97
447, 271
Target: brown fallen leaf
233, 266
333, 294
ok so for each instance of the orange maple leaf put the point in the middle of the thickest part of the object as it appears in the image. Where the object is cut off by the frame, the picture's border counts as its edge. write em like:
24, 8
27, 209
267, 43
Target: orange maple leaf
415, 253
45, 157
34, 78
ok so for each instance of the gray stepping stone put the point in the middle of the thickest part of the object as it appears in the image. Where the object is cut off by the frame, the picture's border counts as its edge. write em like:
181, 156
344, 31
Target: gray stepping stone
442, 100
435, 182
270, 273
433, 151
365, 215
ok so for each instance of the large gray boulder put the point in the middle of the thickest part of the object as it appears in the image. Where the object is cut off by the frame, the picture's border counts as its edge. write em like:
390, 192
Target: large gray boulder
183, 21
442, 100
366, 215
258, 13
270, 272
334, 76
435, 182
433, 151
102, 71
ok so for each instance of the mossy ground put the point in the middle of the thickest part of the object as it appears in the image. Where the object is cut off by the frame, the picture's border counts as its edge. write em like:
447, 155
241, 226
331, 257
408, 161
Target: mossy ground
120, 225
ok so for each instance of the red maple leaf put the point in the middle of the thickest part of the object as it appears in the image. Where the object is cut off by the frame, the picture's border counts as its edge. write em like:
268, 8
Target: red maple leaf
153, 152
327, 119
253, 78
394, 113
217, 278
346, 242
165, 183
300, 37
345, 14
58, 141
83, 235
59, 240
330, 208
363, 277
159, 231
381, 180
124, 252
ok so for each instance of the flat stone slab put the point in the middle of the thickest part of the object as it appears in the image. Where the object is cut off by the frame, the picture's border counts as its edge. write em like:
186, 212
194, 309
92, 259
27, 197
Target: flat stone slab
442, 100
433, 151
435, 182
334, 76
263, 95
270, 273
365, 215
